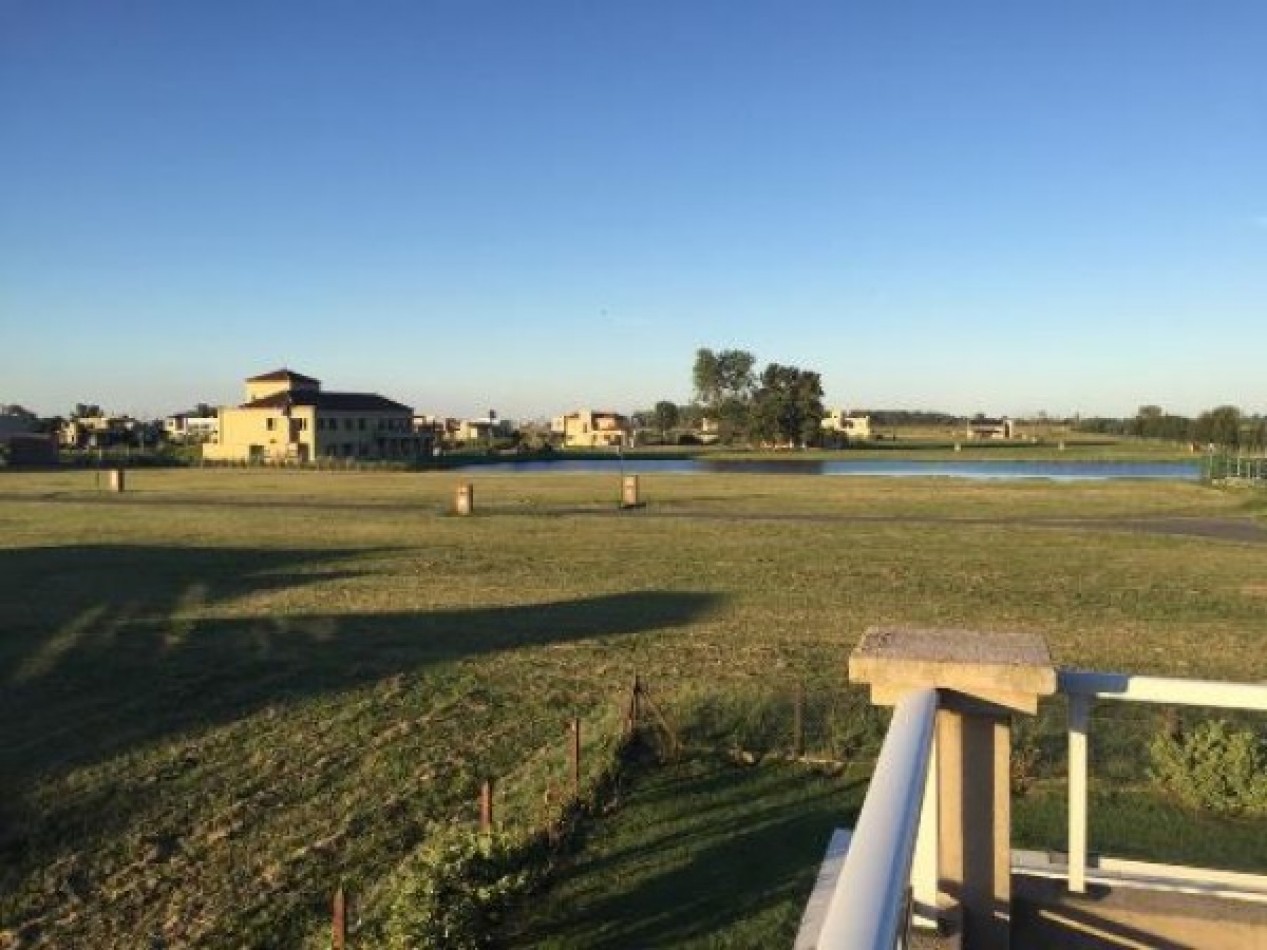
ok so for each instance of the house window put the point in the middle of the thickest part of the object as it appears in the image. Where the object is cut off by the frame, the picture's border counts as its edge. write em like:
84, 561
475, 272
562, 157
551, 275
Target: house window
360, 424
347, 424
270, 424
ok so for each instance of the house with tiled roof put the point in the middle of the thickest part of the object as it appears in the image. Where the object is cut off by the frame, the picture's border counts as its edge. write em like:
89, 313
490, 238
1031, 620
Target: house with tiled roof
288, 417
592, 428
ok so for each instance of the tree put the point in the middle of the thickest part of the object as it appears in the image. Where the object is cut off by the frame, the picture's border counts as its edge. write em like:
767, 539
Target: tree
788, 407
1221, 426
724, 384
85, 410
665, 415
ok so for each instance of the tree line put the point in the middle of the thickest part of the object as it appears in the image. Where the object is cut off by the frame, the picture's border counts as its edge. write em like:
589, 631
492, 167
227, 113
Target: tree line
1225, 426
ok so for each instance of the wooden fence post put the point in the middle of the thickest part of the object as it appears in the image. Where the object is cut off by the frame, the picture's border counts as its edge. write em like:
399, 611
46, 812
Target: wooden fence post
634, 713
486, 806
339, 928
576, 758
798, 721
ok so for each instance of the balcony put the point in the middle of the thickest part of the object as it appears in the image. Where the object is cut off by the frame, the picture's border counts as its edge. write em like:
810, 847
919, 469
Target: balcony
930, 863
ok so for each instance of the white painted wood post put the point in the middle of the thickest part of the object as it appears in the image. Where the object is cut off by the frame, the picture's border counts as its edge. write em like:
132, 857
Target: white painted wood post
924, 868
1079, 723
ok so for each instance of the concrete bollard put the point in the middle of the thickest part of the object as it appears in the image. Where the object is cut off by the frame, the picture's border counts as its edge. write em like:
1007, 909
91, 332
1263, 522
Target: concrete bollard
629, 491
958, 447
464, 502
116, 480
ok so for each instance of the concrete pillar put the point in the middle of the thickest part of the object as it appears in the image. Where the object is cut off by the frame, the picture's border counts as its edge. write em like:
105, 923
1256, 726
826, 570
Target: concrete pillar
116, 479
464, 501
629, 491
982, 679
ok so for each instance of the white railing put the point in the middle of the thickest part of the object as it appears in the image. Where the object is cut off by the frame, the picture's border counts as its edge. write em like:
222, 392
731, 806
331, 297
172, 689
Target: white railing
1083, 688
871, 906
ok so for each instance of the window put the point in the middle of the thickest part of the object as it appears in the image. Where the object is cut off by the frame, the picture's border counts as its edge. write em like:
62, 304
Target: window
360, 424
347, 424
270, 424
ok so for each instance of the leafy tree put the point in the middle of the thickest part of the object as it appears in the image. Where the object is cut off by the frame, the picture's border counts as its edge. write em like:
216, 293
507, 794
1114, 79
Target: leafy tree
724, 384
85, 410
665, 416
788, 406
1221, 426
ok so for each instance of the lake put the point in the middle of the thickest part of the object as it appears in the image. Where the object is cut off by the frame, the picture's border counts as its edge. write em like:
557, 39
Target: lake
1055, 471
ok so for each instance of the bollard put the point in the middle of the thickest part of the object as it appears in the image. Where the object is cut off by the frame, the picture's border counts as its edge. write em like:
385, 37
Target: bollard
629, 491
958, 447
464, 503
116, 479
486, 807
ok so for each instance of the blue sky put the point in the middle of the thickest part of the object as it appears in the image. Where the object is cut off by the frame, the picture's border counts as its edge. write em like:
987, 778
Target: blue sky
534, 205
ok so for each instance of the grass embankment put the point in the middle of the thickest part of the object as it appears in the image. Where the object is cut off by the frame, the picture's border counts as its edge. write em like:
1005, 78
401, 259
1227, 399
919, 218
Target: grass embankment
227, 691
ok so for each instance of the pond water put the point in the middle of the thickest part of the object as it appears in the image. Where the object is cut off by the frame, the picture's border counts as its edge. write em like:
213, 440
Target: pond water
1010, 469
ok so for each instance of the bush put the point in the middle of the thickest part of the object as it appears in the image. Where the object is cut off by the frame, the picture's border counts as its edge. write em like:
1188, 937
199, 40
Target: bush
455, 891
1213, 767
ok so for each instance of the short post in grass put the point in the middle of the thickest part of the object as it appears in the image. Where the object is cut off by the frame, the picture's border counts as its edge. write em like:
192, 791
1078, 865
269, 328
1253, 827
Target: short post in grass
486, 807
116, 480
339, 925
634, 712
798, 721
575, 736
464, 500
629, 491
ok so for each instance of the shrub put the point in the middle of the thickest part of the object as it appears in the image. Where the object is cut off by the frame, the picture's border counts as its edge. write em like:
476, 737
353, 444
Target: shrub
455, 891
1213, 767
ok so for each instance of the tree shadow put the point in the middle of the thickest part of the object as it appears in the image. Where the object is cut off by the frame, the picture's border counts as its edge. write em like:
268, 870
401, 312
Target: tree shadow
99, 654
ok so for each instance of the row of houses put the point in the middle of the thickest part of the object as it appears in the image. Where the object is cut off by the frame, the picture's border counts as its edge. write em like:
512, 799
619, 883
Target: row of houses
288, 417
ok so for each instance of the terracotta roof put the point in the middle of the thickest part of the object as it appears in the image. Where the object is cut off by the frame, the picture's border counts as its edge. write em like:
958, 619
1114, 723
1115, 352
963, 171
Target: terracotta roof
332, 402
282, 375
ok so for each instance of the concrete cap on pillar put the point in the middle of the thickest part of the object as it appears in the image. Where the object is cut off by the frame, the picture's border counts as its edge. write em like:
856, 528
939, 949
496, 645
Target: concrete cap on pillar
1007, 669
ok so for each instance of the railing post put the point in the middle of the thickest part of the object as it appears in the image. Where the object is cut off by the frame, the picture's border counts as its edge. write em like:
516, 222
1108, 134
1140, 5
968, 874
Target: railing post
924, 873
1079, 720
982, 680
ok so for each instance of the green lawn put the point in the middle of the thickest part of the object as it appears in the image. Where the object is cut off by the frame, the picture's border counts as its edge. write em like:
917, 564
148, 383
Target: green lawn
690, 837
226, 691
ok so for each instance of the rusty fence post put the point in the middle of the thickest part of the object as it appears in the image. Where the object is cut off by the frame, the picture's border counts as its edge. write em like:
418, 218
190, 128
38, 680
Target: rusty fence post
486, 806
798, 721
634, 712
576, 758
339, 928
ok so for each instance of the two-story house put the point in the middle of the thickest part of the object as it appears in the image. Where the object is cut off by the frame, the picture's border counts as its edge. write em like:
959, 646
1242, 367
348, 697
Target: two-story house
288, 417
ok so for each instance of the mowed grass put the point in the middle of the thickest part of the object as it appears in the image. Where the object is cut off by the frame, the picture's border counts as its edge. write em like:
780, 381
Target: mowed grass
225, 692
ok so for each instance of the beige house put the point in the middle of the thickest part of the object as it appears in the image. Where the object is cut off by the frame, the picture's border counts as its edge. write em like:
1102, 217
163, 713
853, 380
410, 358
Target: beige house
589, 428
992, 429
850, 425
187, 427
288, 417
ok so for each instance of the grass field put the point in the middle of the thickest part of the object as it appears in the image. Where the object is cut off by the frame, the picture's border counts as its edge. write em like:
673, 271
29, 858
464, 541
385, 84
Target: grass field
225, 692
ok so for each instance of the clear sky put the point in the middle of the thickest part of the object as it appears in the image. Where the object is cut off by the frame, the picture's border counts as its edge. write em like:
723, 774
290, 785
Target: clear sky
533, 205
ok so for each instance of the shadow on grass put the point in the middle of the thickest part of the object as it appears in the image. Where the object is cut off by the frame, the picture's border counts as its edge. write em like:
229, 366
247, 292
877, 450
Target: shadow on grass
701, 853
99, 653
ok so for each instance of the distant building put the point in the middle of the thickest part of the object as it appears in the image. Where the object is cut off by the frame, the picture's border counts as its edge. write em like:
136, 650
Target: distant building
188, 427
991, 429
589, 428
483, 430
22, 445
852, 426
99, 432
288, 417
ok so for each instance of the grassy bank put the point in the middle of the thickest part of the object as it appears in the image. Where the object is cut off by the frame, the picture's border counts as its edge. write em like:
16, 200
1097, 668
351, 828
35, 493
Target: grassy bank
225, 692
